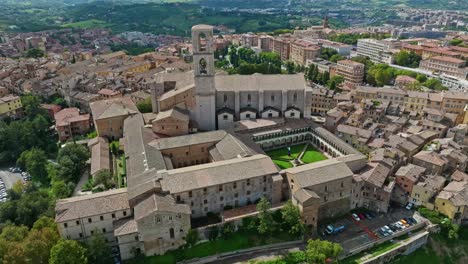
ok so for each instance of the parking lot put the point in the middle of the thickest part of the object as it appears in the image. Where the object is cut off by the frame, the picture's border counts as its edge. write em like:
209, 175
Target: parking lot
364, 231
7, 179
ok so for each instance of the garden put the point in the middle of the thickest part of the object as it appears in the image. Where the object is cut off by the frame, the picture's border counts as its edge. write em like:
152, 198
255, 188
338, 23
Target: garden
268, 227
305, 153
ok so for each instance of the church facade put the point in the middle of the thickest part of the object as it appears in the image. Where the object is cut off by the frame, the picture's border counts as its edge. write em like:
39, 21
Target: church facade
222, 99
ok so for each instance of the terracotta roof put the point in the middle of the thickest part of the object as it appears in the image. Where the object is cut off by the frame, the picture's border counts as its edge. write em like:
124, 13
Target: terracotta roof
69, 115
108, 92
112, 108
430, 157
91, 205
447, 59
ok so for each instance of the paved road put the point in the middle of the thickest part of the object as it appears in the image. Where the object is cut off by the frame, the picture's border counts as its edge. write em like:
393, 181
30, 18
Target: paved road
9, 178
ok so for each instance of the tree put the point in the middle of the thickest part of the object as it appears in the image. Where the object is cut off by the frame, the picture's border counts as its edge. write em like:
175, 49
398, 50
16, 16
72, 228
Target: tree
421, 78
98, 250
68, 252
145, 106
71, 159
335, 81
265, 223
61, 190
32, 106
35, 162
434, 84
213, 233
325, 78
327, 53
104, 177
407, 59
34, 53
320, 251
289, 67
291, 216
191, 238
336, 57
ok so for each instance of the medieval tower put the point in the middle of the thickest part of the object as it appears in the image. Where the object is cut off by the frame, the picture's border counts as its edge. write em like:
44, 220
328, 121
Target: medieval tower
204, 70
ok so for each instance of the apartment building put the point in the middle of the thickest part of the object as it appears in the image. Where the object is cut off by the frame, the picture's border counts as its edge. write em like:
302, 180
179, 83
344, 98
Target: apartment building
282, 47
452, 201
322, 101
69, 122
353, 72
10, 106
416, 101
425, 189
377, 50
447, 65
249, 40
265, 43
407, 176
303, 50
109, 94
434, 52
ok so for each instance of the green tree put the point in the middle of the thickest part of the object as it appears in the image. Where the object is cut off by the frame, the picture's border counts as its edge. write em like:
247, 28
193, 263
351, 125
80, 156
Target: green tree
325, 78
145, 106
319, 251
434, 84
213, 233
35, 162
68, 252
265, 219
105, 178
336, 57
34, 53
32, 106
421, 78
290, 67
61, 190
291, 216
71, 159
191, 238
407, 59
98, 250
335, 81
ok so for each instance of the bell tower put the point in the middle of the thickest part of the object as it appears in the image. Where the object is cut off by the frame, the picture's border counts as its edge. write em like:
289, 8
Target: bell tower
204, 70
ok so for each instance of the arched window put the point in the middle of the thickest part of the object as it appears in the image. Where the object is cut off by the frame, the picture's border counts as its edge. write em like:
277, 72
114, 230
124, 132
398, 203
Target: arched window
202, 63
202, 42
225, 98
171, 232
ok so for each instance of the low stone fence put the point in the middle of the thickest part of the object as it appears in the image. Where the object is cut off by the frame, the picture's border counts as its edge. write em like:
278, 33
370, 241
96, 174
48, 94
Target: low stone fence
219, 257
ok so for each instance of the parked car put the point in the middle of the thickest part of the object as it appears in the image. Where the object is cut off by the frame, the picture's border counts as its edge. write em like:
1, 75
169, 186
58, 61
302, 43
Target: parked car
356, 217
383, 232
393, 227
404, 223
400, 225
368, 216
334, 229
361, 215
388, 230
413, 220
409, 206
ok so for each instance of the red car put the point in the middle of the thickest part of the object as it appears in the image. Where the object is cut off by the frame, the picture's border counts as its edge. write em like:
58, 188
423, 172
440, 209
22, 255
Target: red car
361, 215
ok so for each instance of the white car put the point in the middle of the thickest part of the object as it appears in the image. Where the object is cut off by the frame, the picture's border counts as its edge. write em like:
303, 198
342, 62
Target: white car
356, 217
409, 206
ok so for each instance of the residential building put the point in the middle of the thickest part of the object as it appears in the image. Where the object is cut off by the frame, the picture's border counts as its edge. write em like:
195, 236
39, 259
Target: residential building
447, 65
69, 123
425, 190
303, 50
432, 161
174, 122
10, 106
353, 72
106, 94
452, 201
109, 116
377, 50
100, 155
407, 176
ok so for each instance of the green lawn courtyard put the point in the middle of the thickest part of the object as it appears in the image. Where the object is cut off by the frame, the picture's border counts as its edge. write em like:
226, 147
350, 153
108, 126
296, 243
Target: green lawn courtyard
281, 158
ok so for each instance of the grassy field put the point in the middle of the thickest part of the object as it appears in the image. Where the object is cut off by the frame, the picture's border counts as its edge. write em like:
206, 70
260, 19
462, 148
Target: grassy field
236, 241
280, 156
87, 24
312, 155
423, 255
